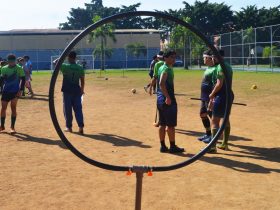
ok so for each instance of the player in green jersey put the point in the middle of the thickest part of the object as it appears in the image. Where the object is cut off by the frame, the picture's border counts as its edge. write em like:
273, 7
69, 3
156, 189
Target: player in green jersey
14, 80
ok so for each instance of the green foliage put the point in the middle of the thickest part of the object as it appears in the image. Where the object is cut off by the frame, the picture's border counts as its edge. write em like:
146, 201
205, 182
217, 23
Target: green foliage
136, 49
103, 32
209, 18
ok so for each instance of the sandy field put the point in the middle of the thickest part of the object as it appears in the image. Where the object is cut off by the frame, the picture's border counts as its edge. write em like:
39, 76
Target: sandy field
39, 172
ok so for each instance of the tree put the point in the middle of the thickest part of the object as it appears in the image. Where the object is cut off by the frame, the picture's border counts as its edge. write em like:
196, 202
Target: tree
209, 18
103, 32
269, 52
136, 49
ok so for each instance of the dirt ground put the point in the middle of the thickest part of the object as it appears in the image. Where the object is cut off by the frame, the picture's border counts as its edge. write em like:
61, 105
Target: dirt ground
39, 172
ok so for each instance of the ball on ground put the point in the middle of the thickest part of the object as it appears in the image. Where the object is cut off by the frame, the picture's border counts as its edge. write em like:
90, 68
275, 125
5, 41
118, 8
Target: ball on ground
254, 87
133, 90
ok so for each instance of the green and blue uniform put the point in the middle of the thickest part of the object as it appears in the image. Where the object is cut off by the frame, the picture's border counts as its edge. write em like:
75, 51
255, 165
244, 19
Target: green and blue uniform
156, 68
72, 93
11, 81
220, 97
167, 113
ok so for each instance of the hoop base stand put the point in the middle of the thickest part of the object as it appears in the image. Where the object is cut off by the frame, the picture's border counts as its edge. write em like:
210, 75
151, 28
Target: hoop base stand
138, 197
139, 170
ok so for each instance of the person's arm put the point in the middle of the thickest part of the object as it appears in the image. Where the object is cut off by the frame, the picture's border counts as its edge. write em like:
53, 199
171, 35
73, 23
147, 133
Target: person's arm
217, 88
162, 85
153, 82
22, 81
83, 85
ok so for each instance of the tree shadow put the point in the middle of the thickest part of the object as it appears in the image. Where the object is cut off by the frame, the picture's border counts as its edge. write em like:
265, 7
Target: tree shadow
26, 137
116, 140
197, 134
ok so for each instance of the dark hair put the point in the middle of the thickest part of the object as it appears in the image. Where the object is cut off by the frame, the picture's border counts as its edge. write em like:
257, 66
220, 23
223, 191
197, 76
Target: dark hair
210, 52
160, 53
72, 55
11, 57
169, 53
154, 57
26, 57
222, 52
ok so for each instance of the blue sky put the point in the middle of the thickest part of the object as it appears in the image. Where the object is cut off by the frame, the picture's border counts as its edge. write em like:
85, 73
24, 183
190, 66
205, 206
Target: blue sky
36, 14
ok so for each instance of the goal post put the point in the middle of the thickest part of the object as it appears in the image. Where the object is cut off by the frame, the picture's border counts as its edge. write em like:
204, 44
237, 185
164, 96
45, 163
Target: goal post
86, 61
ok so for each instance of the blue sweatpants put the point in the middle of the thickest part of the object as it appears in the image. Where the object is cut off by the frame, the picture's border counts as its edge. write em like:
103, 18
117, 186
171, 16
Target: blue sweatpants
71, 101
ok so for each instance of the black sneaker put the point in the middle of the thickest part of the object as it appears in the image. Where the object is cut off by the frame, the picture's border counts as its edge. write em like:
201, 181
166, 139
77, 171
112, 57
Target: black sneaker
176, 149
164, 149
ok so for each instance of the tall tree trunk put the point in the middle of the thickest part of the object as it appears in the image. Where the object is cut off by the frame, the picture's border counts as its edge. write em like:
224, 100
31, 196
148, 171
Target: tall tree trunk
102, 55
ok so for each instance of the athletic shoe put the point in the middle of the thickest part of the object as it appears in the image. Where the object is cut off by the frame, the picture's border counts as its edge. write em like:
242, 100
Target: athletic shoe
223, 146
202, 137
164, 149
212, 150
176, 149
12, 131
68, 130
81, 131
207, 140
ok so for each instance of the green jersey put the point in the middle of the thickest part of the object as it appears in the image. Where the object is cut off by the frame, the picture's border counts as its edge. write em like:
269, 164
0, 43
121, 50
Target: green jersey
71, 77
11, 77
207, 84
169, 84
219, 74
156, 68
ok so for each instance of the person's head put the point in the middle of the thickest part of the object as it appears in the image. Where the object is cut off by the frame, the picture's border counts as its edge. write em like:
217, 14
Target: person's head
170, 57
21, 61
11, 58
155, 57
72, 57
160, 55
26, 58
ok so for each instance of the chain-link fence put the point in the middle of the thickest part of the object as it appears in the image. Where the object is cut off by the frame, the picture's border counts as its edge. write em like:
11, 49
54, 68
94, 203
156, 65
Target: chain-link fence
255, 49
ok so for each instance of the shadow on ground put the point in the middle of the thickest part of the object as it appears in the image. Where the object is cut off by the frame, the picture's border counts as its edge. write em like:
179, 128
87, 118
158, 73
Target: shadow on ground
26, 137
116, 140
198, 134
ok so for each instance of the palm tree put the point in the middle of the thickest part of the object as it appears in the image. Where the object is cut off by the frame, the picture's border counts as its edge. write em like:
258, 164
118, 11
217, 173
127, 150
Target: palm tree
103, 32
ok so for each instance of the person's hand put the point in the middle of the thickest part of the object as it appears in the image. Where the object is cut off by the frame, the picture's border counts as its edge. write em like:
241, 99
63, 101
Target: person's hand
30, 78
168, 101
211, 96
19, 93
210, 105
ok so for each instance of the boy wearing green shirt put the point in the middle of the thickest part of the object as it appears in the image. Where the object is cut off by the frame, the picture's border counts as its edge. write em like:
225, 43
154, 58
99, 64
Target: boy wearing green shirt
166, 104
73, 88
14, 80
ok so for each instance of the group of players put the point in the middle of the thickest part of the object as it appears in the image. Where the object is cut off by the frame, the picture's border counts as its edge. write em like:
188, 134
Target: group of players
213, 99
15, 75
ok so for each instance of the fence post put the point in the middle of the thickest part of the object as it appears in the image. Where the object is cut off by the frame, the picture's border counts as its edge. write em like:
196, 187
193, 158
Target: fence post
271, 55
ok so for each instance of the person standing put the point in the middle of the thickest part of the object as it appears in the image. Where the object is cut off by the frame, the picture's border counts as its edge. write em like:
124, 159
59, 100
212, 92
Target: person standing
218, 103
29, 66
14, 80
206, 89
166, 103
73, 89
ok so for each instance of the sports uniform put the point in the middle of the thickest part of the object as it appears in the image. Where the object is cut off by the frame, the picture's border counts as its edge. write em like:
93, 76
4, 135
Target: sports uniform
11, 78
72, 93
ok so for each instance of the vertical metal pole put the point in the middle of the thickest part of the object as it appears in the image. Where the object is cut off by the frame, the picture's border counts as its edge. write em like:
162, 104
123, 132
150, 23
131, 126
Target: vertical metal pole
271, 40
230, 53
256, 53
242, 39
138, 198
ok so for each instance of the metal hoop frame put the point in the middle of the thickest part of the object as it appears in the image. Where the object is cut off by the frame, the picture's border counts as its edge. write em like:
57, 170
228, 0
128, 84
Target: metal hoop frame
134, 168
